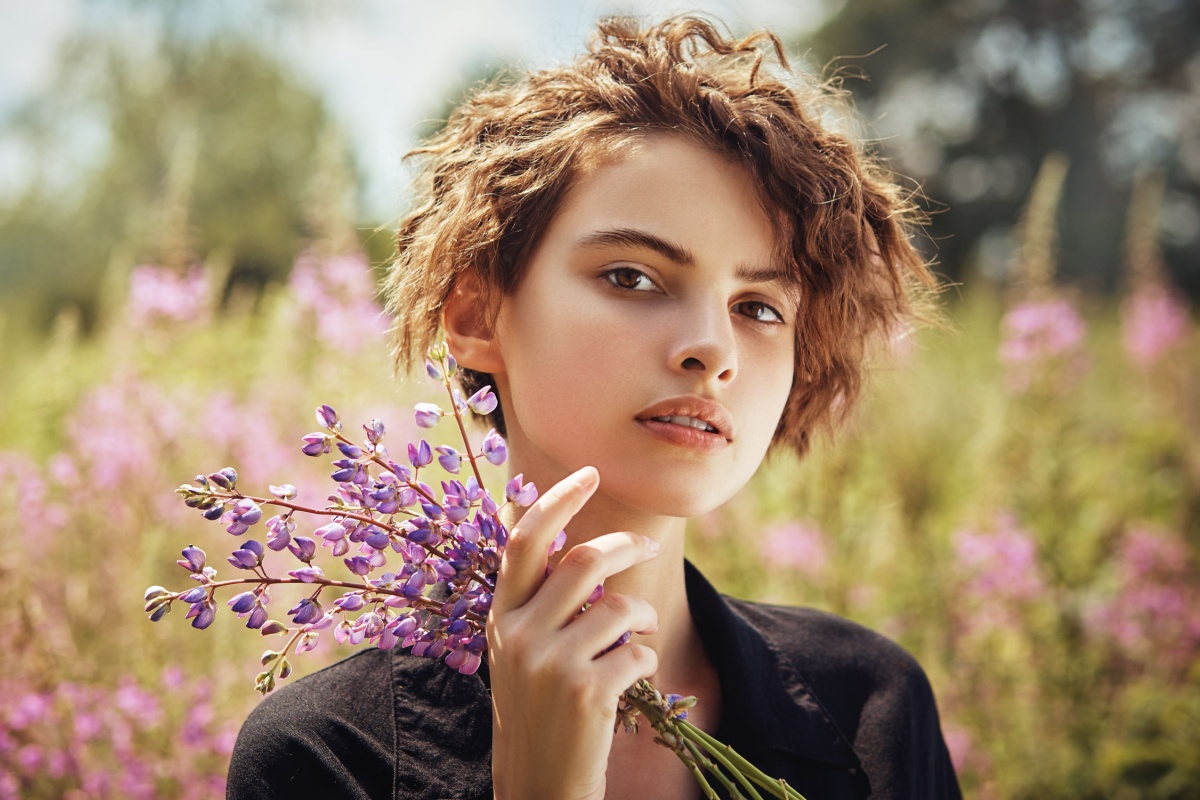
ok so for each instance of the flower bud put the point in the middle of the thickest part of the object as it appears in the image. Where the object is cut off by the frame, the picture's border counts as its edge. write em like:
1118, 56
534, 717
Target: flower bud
265, 681
449, 458
420, 455
433, 370
284, 491
272, 626
214, 513
268, 657
194, 595
437, 352
350, 450
427, 415
315, 444
285, 668
374, 431
161, 611
327, 417
154, 592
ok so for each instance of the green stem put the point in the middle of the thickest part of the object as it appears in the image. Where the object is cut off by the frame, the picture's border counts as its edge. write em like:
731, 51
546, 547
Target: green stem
705, 762
738, 763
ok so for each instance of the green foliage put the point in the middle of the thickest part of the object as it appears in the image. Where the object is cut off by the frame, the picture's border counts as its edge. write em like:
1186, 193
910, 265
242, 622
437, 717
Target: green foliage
193, 148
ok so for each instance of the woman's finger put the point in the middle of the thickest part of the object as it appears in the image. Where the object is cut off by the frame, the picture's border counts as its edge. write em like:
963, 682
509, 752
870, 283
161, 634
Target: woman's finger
606, 621
624, 666
524, 564
587, 565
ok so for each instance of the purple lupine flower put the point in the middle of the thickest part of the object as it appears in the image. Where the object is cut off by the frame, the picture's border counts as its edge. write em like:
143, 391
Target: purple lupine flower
483, 402
427, 415
307, 574
375, 431
202, 614
327, 417
494, 448
520, 494
350, 450
433, 370
258, 614
306, 611
248, 557
244, 513
194, 595
242, 603
359, 565
279, 531
303, 548
316, 444
351, 601
449, 458
193, 559
420, 455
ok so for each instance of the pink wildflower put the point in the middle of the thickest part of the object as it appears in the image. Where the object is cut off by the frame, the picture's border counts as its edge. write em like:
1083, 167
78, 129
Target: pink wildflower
340, 294
1039, 339
798, 545
1153, 321
160, 293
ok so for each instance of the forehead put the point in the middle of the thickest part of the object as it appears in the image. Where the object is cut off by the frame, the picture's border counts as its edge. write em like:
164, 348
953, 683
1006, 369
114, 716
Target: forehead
676, 189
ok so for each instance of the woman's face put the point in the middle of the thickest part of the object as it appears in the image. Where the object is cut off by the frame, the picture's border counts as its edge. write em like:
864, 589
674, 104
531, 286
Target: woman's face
654, 292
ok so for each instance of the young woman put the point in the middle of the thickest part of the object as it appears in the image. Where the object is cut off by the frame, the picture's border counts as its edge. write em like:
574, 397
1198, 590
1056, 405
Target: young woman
665, 264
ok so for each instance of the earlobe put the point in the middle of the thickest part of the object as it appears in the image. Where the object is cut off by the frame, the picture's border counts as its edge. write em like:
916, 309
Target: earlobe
468, 335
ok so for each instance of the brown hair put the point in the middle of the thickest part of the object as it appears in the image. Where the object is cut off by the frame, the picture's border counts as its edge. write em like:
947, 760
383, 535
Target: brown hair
496, 173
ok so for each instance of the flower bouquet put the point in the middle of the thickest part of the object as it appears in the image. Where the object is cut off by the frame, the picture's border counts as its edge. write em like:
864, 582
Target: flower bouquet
424, 561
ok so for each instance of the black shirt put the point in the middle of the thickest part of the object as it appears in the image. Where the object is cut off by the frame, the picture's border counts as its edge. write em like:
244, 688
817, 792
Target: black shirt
831, 707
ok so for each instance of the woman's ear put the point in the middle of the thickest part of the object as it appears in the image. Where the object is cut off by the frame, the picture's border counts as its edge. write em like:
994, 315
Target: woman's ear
468, 335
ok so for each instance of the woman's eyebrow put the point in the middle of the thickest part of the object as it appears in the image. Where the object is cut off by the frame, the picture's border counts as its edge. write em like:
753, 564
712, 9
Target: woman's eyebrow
637, 238
633, 237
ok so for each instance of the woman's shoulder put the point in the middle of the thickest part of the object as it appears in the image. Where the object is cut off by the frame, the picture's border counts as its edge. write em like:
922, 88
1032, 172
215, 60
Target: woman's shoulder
873, 690
825, 646
380, 723
328, 734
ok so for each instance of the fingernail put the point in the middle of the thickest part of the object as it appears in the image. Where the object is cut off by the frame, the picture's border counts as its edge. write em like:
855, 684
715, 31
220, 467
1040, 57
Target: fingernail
652, 546
587, 477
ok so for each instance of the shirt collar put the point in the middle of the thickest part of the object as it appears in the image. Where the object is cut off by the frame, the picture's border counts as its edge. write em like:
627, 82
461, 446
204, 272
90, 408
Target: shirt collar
766, 703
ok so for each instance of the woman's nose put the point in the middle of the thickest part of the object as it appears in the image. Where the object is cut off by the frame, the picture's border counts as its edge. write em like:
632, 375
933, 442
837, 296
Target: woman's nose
705, 344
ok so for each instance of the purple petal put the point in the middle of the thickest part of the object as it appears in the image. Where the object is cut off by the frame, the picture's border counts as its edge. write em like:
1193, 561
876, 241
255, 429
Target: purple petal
427, 415
327, 417
483, 402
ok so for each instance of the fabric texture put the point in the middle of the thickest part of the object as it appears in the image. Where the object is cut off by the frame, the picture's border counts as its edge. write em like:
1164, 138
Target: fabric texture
833, 708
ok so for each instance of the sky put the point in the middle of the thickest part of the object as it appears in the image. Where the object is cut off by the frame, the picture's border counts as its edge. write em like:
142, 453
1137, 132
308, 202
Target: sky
361, 56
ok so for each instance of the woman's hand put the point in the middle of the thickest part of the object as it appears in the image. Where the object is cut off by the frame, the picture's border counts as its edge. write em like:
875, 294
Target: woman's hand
554, 689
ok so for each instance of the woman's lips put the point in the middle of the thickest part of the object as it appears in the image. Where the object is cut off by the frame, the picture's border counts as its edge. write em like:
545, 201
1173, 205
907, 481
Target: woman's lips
684, 436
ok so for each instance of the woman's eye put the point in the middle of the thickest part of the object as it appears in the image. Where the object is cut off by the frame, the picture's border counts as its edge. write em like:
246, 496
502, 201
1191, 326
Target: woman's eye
629, 278
760, 312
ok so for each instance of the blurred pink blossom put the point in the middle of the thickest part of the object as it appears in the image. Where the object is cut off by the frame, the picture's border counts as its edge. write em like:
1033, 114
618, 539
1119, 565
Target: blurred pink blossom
1155, 610
1000, 564
339, 292
797, 545
1154, 319
160, 293
1040, 339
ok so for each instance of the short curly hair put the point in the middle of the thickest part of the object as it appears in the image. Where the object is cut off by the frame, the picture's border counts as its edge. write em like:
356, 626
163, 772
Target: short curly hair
494, 176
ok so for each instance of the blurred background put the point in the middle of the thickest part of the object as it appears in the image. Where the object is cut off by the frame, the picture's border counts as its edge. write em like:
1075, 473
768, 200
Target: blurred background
196, 200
